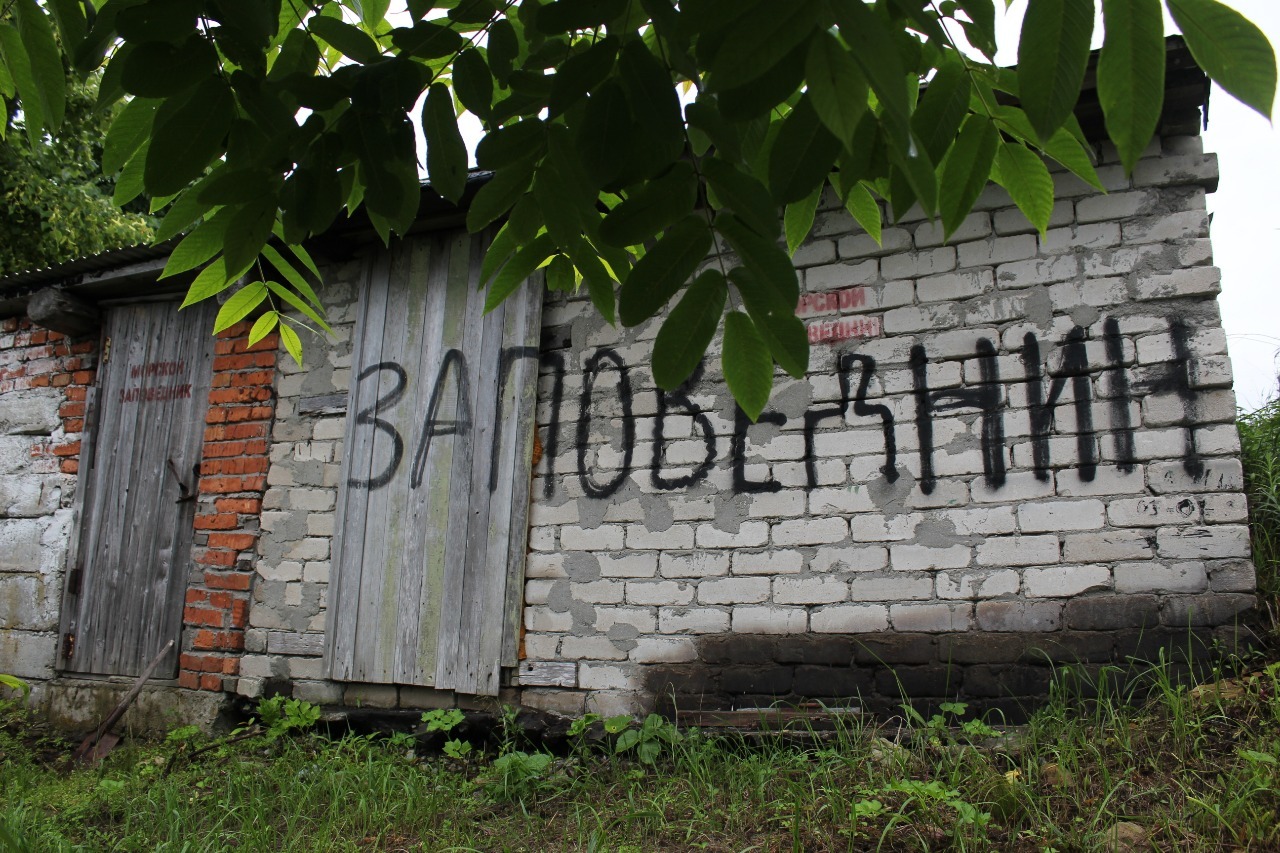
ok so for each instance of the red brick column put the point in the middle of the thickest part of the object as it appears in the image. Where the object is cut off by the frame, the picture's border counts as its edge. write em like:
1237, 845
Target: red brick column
233, 476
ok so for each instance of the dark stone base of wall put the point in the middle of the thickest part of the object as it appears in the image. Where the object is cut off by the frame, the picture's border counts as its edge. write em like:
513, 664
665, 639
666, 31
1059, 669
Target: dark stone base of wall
1002, 674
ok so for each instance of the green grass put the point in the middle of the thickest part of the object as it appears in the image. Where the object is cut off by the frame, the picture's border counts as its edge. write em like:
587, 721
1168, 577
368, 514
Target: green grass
1260, 455
1192, 769
1187, 769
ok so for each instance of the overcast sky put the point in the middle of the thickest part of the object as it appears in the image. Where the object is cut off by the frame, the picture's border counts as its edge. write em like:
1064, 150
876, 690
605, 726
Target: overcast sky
1246, 227
1246, 215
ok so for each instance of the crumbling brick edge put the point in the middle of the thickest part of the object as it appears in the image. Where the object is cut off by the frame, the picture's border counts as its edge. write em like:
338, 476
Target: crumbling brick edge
233, 477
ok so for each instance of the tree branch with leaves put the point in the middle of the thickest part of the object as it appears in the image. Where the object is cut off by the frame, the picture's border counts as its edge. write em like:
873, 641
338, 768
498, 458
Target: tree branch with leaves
251, 123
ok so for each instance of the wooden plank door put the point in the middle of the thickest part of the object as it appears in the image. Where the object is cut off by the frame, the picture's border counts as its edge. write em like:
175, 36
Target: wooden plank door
432, 515
124, 594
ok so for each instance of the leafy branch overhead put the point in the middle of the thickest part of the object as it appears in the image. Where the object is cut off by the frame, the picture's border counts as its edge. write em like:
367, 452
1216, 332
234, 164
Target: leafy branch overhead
659, 154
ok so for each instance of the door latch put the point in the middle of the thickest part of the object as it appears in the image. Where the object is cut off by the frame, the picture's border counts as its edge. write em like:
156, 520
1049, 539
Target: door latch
185, 493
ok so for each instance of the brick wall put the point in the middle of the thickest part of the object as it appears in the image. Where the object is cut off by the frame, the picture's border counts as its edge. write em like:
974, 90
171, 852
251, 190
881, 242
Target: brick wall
233, 478
43, 384
1011, 450
284, 643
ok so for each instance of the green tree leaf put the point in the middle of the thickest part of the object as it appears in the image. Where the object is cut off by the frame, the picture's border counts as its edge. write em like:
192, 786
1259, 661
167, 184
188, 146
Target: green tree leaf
764, 258
512, 144
198, 246
1064, 146
760, 39
424, 40
581, 73
211, 281
129, 184
600, 284
349, 40
189, 133
797, 219
802, 154
1231, 50
1027, 180
72, 26
168, 20
239, 305
1131, 74
292, 298
981, 32
46, 62
517, 270
655, 110
652, 208
837, 88
291, 275
872, 46
473, 83
504, 245
914, 167
248, 230
157, 69
663, 270
748, 369
559, 206
57, 203
130, 129
787, 339
561, 277
687, 332
263, 326
741, 193
8, 89
967, 170
942, 108
292, 344
446, 152
1052, 54
18, 62
864, 209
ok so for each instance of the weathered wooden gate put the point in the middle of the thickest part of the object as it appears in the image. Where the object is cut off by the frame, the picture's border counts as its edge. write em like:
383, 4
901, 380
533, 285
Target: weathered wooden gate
433, 512
138, 469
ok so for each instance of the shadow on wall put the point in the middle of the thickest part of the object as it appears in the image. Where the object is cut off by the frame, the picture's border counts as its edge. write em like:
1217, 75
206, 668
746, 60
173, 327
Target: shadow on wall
1006, 673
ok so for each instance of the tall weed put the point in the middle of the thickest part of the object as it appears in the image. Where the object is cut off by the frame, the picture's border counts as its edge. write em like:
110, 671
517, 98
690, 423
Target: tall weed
1260, 456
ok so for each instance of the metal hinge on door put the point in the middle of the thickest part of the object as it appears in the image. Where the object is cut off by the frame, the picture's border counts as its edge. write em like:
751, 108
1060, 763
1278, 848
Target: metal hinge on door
68, 646
74, 581
106, 350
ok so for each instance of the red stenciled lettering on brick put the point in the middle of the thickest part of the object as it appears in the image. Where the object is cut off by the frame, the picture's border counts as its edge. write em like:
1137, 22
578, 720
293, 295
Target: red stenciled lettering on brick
847, 299
831, 331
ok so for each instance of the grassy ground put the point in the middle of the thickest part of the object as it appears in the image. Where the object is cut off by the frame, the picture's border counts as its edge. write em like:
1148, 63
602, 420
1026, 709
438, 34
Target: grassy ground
1191, 770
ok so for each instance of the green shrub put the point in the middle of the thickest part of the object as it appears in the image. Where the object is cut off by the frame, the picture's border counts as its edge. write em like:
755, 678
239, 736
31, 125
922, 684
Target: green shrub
1260, 455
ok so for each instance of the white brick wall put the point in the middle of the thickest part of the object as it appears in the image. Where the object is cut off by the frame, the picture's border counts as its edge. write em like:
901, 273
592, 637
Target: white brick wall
830, 545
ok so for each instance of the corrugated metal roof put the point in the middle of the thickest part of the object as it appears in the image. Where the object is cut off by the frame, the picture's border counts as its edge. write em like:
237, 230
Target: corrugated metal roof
81, 266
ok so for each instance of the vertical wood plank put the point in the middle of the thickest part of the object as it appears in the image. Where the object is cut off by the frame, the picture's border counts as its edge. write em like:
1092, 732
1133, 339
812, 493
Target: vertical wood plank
357, 455
427, 284
468, 337
376, 636
424, 561
525, 389
135, 540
